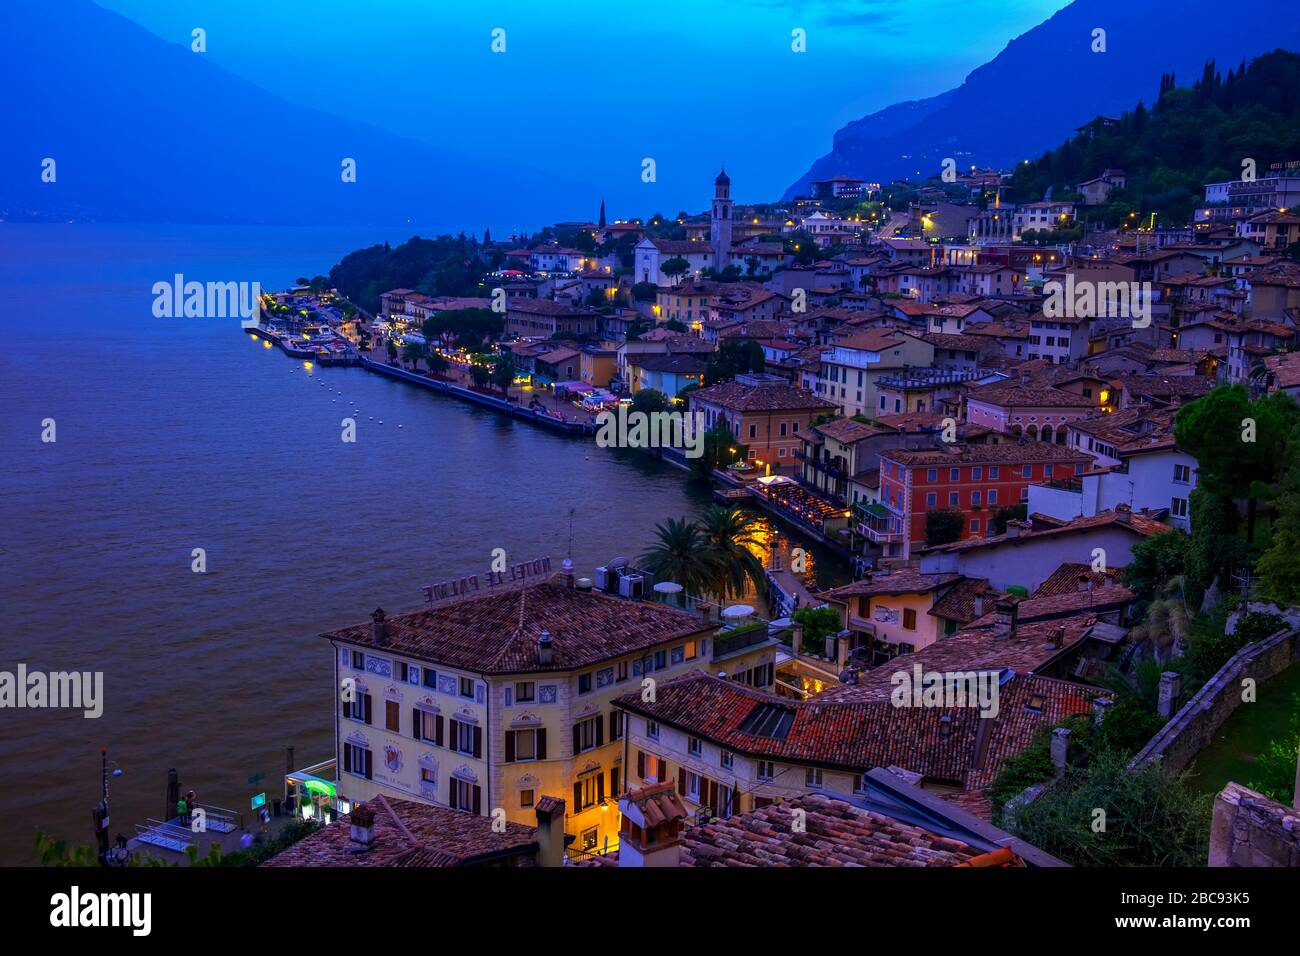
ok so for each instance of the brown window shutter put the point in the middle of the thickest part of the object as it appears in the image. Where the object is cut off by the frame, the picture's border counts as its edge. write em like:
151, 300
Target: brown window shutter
510, 746
541, 743
478, 741
600, 731
613, 725
416, 729
451, 792
577, 796
478, 800
366, 698
613, 782
576, 738
640, 764
347, 758
453, 734
600, 787
437, 730
681, 780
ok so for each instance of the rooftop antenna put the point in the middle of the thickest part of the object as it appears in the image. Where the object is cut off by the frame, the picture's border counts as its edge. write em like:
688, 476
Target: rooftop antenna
569, 555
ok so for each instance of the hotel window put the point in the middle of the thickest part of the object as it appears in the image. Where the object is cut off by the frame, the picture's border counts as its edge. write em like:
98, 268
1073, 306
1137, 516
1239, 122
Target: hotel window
589, 791
403, 671
584, 683
590, 838
356, 760
525, 799
393, 716
464, 796
766, 770
615, 781
727, 760
974, 497
358, 661
753, 431
692, 650
794, 427
525, 745
909, 619
1047, 471
976, 473
1178, 507
428, 776
466, 738
692, 781
467, 688
661, 660
1026, 471
588, 734
932, 474
993, 472
524, 691
652, 730
695, 746
931, 500
616, 719
621, 673
954, 474
782, 430
952, 498
780, 453
974, 525
812, 777
993, 496
358, 709
1182, 474
428, 726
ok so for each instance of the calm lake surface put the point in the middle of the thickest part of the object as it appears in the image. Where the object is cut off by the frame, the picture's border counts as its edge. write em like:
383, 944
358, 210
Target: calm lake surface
175, 434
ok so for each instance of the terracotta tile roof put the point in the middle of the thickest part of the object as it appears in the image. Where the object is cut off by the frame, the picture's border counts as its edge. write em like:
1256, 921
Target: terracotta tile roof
974, 802
908, 580
658, 803
1006, 453
857, 728
1029, 395
958, 604
1110, 596
497, 632
1131, 430
873, 340
1137, 522
1069, 576
759, 398
835, 833
411, 834
847, 430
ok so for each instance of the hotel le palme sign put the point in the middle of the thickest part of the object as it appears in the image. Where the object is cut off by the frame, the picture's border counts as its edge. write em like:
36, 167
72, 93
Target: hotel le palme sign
493, 578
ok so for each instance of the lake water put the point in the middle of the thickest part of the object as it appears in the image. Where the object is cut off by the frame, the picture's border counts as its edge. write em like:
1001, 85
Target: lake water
176, 434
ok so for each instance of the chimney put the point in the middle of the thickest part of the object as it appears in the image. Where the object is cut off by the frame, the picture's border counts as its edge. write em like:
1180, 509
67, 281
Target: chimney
550, 831
796, 639
1084, 583
1060, 747
1171, 687
566, 572
1005, 611
979, 605
379, 627
1100, 707
362, 819
650, 834
545, 649
1013, 528
842, 651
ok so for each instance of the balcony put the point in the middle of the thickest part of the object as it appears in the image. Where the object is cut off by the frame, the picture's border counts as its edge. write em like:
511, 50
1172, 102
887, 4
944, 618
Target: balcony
835, 471
878, 522
742, 638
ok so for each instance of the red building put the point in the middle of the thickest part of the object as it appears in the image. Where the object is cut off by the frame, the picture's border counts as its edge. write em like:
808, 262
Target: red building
976, 480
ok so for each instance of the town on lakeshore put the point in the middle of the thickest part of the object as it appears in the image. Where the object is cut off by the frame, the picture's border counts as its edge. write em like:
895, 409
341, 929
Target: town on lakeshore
991, 556
1017, 485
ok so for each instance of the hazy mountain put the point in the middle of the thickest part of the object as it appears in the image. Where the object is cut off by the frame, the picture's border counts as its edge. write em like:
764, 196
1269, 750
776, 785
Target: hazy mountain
143, 129
1046, 83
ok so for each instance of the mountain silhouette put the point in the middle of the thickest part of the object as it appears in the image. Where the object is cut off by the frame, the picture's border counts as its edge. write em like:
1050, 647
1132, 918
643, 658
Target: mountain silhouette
1048, 82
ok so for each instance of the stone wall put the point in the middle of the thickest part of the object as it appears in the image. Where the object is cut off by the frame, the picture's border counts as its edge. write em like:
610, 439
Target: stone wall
1249, 829
1196, 722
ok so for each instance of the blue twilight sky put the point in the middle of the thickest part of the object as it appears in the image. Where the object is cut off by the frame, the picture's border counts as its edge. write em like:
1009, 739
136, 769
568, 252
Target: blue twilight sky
587, 89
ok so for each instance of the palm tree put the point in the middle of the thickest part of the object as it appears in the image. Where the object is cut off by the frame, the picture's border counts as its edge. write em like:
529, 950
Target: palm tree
730, 540
679, 555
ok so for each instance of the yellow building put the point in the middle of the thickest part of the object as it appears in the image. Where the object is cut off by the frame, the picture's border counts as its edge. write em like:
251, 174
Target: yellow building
503, 695
888, 612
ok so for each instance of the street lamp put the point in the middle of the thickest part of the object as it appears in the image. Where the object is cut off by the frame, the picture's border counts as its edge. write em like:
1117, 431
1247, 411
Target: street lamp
107, 856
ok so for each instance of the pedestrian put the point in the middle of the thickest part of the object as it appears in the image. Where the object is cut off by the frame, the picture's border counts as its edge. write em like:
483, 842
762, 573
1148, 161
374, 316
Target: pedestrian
182, 811
246, 841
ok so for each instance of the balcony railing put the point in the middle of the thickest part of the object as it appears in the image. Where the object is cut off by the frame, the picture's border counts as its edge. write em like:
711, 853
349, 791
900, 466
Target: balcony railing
738, 639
